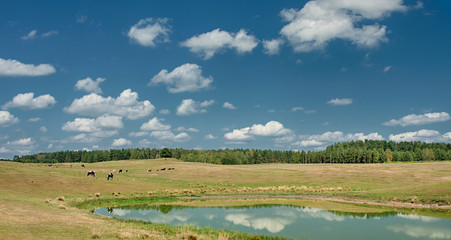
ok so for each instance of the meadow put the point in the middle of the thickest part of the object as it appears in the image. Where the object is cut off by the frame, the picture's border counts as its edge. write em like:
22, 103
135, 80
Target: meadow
38, 201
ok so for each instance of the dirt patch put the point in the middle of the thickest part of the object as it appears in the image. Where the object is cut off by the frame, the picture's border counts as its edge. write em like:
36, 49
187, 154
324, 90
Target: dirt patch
332, 199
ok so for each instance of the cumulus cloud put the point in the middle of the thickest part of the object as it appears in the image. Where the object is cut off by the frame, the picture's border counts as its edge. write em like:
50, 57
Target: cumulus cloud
21, 146
272, 47
155, 124
169, 136
329, 137
183, 129
28, 101
90, 125
30, 35
414, 119
270, 129
209, 137
208, 44
89, 85
423, 135
340, 101
321, 21
185, 78
229, 106
189, 107
121, 142
161, 131
92, 130
14, 68
147, 32
126, 105
165, 111
7, 119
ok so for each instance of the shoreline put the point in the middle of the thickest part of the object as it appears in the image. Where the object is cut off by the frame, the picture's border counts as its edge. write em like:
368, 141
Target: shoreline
324, 198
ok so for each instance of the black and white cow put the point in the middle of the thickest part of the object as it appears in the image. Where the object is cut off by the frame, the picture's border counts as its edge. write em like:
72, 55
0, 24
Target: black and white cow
91, 173
120, 170
110, 176
83, 166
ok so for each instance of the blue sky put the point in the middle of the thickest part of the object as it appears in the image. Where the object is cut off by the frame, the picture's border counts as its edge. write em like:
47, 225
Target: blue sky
287, 75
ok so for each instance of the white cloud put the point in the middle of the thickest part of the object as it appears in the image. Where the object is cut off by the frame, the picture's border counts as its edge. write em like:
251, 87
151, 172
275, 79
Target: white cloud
138, 134
43, 129
340, 101
126, 105
189, 107
414, 119
329, 137
169, 136
238, 134
121, 142
14, 68
21, 146
36, 119
310, 143
7, 119
30, 35
229, 106
49, 34
89, 85
165, 111
93, 129
89, 125
155, 124
209, 137
295, 109
28, 101
423, 135
208, 44
271, 129
21, 142
387, 68
272, 47
183, 129
185, 78
322, 21
147, 32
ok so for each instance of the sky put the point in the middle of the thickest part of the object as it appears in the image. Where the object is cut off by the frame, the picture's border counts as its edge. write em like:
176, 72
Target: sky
282, 75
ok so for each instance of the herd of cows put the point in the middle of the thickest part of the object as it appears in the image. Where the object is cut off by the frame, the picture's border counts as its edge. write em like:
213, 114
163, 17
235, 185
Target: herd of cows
110, 176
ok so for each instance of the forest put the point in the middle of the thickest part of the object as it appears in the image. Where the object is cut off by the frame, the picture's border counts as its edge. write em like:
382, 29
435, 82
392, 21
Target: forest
368, 151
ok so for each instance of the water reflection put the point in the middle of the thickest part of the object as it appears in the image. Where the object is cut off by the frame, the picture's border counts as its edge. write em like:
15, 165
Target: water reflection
293, 222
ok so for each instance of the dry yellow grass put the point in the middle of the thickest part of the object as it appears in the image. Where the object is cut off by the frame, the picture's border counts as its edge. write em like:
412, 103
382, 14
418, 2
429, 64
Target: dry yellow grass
29, 192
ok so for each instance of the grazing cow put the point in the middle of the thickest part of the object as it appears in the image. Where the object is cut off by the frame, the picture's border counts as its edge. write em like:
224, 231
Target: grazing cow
110, 176
50, 165
83, 166
71, 165
163, 169
150, 170
171, 168
91, 173
126, 170
120, 170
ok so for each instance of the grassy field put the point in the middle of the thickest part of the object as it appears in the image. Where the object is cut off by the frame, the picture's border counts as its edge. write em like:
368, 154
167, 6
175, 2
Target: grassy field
30, 208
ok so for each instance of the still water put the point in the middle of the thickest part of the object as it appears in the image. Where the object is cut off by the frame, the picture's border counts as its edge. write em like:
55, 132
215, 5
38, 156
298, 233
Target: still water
293, 222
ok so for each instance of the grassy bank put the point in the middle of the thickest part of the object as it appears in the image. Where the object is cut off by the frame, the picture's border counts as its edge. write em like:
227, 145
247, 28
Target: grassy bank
30, 208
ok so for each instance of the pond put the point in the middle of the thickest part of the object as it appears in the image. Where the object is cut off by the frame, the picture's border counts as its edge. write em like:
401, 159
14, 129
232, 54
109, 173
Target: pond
291, 221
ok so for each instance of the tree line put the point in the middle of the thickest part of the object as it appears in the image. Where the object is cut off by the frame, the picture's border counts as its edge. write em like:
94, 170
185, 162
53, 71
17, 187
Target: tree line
368, 151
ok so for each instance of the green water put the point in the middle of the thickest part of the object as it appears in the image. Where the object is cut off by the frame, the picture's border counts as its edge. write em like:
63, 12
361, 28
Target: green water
292, 222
